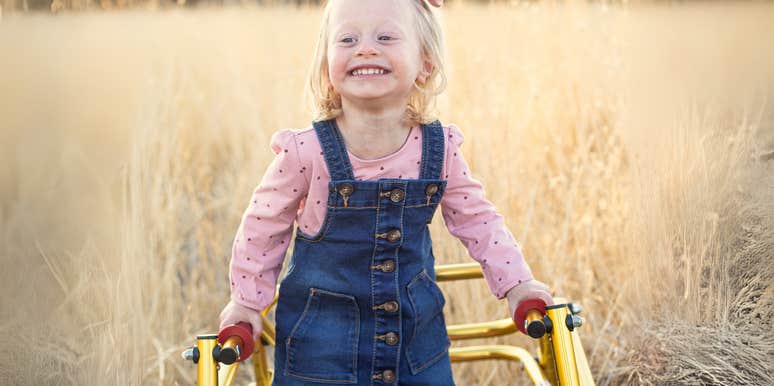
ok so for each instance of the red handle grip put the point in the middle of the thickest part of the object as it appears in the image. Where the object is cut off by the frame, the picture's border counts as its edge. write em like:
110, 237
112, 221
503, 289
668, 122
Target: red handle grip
244, 331
521, 312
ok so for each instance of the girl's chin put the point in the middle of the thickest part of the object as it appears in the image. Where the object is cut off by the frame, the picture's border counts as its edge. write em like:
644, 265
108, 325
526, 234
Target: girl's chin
373, 100
369, 94
361, 98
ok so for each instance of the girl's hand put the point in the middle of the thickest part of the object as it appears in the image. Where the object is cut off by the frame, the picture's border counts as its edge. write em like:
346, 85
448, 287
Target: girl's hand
530, 289
234, 313
436, 3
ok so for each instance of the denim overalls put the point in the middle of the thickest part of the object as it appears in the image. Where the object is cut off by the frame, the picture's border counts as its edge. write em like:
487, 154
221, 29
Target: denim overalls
359, 303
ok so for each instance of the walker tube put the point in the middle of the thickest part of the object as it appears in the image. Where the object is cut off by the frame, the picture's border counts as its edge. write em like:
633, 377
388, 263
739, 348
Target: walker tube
564, 354
207, 368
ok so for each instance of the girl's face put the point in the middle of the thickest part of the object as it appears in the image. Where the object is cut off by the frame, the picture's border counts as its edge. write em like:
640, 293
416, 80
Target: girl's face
373, 51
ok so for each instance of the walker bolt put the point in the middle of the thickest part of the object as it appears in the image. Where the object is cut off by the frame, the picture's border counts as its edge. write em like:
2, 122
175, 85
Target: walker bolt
573, 321
575, 308
192, 354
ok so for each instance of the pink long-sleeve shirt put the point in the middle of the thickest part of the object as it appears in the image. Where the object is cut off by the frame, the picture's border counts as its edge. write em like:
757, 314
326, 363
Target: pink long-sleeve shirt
294, 188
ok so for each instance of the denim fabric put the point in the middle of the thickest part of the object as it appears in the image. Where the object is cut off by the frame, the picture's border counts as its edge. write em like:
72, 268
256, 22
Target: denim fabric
331, 320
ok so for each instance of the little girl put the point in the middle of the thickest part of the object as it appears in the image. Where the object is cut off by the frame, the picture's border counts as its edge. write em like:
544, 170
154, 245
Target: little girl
359, 303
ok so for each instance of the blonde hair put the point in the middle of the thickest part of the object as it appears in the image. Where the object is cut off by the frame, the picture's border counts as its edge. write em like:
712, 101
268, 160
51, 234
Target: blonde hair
326, 102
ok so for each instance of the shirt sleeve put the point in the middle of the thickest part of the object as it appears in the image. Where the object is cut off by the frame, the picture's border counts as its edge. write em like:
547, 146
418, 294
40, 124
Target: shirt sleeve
473, 219
264, 233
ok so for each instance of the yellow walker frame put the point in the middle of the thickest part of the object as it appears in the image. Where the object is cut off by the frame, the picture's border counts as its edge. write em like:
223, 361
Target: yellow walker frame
561, 360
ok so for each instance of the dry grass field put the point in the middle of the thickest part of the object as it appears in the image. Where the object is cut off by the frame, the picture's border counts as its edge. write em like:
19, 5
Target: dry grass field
630, 149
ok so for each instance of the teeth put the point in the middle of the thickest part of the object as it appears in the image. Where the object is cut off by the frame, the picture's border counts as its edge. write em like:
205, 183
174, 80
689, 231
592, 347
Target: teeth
368, 71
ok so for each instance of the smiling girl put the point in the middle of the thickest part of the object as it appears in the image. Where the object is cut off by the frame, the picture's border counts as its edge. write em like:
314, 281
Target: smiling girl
359, 303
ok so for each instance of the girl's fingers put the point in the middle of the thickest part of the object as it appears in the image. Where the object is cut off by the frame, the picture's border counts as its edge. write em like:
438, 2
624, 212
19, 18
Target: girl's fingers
229, 320
257, 328
235, 313
226, 316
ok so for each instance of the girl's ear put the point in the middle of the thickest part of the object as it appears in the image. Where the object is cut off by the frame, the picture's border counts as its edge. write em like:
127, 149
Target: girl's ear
426, 70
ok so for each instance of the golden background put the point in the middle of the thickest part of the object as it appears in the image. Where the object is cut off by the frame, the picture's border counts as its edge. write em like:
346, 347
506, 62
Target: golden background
629, 148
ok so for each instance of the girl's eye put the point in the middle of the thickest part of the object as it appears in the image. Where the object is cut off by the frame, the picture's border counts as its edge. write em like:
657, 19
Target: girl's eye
347, 40
385, 36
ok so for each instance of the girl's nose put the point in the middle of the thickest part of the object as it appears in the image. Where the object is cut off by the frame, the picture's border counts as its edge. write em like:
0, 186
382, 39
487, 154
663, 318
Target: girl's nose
366, 50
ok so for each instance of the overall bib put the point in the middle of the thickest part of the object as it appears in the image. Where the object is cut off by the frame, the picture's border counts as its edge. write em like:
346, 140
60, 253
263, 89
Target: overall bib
359, 303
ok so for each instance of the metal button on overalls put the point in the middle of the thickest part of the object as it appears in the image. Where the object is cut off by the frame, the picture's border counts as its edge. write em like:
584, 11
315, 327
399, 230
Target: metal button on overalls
387, 376
390, 306
391, 236
366, 280
346, 189
396, 195
388, 266
391, 338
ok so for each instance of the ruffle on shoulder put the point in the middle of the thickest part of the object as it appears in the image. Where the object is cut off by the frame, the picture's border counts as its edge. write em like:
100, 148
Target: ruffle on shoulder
283, 141
454, 134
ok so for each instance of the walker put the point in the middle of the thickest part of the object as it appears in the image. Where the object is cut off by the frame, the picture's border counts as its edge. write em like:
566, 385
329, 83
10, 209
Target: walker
560, 359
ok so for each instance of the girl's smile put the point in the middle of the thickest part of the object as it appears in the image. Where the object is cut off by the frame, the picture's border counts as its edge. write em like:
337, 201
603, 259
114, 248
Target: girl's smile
368, 72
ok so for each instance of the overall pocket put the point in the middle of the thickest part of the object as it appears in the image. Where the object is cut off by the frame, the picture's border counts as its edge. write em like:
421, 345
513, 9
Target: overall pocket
322, 346
429, 341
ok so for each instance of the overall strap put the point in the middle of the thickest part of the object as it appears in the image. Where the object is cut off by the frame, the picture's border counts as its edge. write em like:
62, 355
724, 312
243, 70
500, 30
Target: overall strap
432, 151
334, 151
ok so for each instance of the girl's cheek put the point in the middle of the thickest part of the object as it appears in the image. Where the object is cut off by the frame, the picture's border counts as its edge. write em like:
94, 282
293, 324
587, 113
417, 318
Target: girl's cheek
337, 62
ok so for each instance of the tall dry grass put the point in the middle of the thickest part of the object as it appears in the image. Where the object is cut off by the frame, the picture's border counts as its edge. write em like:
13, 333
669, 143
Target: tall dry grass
628, 149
